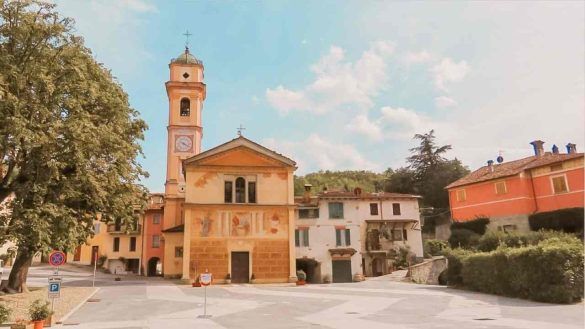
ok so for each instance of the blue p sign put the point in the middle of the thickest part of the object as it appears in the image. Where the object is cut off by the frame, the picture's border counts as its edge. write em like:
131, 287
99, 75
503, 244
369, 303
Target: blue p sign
54, 287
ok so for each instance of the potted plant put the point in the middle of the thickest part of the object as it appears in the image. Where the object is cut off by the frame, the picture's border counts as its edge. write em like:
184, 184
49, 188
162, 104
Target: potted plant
19, 324
253, 278
196, 283
301, 277
228, 278
39, 311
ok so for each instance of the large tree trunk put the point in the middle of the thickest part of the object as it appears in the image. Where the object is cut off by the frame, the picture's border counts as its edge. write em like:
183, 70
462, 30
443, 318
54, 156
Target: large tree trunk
19, 272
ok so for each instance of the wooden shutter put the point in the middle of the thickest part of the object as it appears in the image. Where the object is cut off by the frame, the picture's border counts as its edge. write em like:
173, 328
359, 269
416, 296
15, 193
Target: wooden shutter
338, 237
297, 242
347, 237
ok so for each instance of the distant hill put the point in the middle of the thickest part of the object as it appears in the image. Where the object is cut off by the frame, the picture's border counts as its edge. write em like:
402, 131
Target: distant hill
341, 180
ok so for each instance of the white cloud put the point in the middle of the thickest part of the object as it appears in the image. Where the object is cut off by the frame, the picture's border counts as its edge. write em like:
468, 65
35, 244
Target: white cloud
417, 57
362, 125
139, 5
338, 83
448, 71
445, 102
316, 153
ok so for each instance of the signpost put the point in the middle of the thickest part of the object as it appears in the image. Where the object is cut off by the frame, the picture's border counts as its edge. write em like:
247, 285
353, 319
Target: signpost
205, 280
56, 258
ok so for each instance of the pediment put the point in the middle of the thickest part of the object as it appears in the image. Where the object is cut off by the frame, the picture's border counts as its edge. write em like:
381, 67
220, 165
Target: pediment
240, 152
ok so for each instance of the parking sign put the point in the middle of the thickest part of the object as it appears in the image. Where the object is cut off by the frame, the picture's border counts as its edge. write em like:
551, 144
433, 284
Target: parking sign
54, 288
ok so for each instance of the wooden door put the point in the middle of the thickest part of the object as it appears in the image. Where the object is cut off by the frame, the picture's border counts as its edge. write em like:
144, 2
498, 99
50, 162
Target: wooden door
94, 254
240, 266
342, 271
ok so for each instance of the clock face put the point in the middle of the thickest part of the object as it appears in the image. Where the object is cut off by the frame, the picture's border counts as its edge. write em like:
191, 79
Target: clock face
183, 143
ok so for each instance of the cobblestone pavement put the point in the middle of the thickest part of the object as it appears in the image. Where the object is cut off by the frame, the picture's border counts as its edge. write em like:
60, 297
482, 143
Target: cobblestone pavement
371, 304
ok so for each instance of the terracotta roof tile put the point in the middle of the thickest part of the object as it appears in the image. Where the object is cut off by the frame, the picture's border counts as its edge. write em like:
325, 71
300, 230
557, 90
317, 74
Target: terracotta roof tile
511, 168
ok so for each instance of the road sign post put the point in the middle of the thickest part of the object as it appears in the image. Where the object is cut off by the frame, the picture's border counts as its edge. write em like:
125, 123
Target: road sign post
56, 259
205, 280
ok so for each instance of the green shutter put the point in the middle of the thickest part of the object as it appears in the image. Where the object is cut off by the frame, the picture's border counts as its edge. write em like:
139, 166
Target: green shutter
297, 238
306, 242
347, 237
338, 237
404, 235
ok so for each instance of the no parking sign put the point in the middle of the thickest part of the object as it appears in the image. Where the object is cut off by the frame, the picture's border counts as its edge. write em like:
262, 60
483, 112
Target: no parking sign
57, 258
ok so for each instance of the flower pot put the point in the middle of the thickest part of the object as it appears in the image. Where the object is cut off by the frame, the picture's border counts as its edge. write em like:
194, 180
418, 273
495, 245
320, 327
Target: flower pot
301, 282
196, 284
48, 321
40, 324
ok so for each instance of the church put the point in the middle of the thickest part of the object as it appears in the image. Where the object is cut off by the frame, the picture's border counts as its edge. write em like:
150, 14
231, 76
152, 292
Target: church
228, 210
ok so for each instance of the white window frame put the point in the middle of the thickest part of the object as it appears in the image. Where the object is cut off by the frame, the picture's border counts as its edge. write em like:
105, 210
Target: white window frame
552, 184
247, 179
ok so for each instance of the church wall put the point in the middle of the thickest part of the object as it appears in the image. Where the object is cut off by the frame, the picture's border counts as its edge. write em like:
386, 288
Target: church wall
173, 266
216, 231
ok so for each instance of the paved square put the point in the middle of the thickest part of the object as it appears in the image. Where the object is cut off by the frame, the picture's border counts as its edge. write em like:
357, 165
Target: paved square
372, 304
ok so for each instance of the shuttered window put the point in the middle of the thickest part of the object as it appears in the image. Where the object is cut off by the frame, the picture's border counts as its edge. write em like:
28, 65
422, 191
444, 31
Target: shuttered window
228, 189
560, 184
336, 210
251, 192
342, 237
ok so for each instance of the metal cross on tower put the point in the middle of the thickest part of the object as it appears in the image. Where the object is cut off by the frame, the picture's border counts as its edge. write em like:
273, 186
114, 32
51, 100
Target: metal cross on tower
240, 128
187, 35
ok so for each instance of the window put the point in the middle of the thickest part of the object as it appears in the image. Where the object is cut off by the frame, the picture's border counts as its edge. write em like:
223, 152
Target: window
116, 244
396, 208
133, 243
96, 228
501, 187
302, 237
252, 192
178, 252
336, 210
228, 189
342, 237
117, 225
397, 235
373, 208
156, 219
460, 194
185, 107
240, 190
559, 184
156, 241
308, 213
508, 228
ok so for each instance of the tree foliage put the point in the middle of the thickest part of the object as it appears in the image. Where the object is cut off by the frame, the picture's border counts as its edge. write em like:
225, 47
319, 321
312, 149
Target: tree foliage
341, 180
68, 137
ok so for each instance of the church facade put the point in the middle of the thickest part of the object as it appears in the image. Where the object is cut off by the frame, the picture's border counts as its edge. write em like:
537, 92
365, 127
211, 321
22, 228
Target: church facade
228, 210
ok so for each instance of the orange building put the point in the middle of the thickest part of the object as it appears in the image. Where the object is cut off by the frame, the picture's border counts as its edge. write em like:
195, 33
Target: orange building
508, 192
152, 244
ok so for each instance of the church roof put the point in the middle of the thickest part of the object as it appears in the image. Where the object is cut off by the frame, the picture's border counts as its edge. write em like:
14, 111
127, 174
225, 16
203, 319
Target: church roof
186, 58
239, 142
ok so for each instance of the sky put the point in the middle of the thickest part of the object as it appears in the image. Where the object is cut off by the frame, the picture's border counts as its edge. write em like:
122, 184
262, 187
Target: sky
339, 85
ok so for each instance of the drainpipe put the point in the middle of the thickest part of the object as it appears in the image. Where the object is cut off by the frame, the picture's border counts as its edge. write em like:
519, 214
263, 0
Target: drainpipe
533, 192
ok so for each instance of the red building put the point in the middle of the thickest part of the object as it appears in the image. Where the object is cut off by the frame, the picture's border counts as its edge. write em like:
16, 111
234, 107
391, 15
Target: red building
508, 192
152, 244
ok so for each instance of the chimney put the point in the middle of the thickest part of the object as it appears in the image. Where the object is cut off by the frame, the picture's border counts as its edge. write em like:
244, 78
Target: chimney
555, 149
571, 148
324, 189
491, 165
307, 194
538, 147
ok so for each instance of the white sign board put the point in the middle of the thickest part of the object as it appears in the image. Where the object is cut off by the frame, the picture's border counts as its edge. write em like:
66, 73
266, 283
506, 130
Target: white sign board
54, 289
205, 279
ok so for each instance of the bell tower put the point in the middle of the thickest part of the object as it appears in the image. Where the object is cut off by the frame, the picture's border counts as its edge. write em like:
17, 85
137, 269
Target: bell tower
186, 93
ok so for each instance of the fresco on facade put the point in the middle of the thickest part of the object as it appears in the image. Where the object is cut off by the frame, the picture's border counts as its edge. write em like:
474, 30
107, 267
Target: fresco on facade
241, 224
206, 225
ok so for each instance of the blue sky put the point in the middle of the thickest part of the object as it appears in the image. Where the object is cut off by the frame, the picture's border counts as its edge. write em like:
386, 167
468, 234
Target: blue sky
345, 84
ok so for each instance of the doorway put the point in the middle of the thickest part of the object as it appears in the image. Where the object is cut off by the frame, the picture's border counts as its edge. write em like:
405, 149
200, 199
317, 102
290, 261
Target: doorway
153, 265
240, 271
342, 271
94, 254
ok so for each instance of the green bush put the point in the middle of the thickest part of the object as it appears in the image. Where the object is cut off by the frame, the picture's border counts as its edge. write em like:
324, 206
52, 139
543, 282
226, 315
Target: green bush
301, 275
454, 265
404, 257
568, 220
550, 271
4, 314
434, 247
39, 310
477, 225
494, 239
463, 238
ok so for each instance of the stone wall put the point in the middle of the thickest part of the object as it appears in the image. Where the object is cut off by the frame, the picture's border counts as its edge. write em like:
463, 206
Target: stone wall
518, 223
428, 271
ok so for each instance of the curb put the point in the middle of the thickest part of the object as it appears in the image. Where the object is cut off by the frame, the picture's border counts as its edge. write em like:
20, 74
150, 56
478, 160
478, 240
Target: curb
66, 316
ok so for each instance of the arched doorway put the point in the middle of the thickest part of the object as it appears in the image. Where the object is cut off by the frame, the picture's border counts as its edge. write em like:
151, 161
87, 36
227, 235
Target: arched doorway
154, 266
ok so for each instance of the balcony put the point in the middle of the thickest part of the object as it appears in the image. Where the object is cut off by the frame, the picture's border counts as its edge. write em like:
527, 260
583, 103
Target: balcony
121, 229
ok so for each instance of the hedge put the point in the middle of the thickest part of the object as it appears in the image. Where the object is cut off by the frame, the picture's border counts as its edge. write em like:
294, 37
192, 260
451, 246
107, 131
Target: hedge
463, 238
477, 225
494, 239
568, 220
434, 247
550, 271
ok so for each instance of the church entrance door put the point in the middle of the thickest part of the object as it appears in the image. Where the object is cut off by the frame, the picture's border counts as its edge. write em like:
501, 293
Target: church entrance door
240, 266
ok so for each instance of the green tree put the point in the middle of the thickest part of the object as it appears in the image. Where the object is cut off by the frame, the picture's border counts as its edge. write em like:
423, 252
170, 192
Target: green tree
341, 180
68, 137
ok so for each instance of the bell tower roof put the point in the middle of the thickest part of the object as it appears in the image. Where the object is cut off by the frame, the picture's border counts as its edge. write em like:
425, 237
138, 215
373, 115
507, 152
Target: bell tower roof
186, 58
